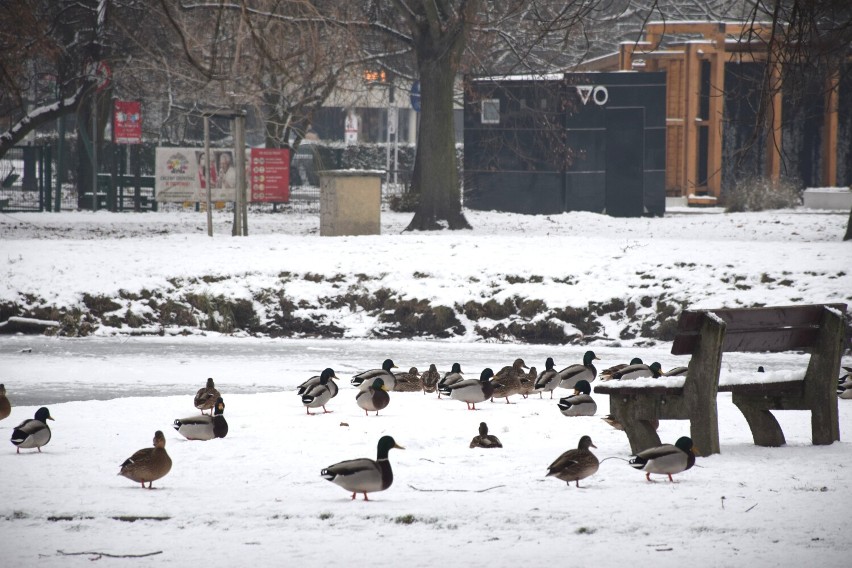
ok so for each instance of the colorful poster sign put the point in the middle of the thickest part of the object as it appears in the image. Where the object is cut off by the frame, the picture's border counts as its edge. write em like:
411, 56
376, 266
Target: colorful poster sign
180, 175
127, 122
269, 175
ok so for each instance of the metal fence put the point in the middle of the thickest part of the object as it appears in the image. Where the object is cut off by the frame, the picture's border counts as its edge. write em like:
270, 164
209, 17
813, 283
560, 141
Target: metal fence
25, 179
28, 184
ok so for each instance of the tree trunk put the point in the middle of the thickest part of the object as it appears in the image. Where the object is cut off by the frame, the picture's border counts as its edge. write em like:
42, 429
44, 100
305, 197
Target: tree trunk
848, 235
435, 178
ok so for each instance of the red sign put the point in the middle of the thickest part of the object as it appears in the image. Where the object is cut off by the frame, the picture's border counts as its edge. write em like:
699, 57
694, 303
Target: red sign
269, 171
127, 122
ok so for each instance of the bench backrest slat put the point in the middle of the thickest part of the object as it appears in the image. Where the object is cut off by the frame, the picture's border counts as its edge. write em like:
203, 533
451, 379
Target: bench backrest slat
772, 329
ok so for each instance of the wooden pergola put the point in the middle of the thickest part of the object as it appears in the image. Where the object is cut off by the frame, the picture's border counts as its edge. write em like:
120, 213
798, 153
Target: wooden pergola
716, 43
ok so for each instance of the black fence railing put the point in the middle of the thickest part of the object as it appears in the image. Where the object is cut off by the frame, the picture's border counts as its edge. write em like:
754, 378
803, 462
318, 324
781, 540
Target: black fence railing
25, 179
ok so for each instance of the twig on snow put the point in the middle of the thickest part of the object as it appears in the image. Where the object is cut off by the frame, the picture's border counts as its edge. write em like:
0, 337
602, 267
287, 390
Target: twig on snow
458, 490
99, 555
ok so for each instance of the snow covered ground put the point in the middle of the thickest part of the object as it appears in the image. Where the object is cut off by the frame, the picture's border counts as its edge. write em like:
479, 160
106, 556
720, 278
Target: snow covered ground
256, 497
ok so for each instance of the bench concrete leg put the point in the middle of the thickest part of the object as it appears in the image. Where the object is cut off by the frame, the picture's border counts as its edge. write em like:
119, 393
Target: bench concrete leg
764, 427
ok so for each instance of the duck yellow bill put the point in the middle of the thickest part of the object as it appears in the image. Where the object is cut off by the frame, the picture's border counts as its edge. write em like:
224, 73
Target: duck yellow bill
395, 445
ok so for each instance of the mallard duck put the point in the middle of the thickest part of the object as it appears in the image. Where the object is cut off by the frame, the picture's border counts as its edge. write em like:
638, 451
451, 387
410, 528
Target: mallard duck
666, 459
408, 382
569, 376
547, 380
639, 371
677, 372
5, 405
844, 384
580, 403
528, 382
844, 381
455, 375
205, 398
613, 421
204, 427
33, 432
364, 380
148, 464
606, 374
430, 379
319, 393
575, 465
315, 380
364, 475
374, 398
509, 380
485, 440
472, 391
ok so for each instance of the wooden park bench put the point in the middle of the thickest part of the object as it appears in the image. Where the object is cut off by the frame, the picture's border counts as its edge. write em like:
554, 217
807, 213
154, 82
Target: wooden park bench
705, 335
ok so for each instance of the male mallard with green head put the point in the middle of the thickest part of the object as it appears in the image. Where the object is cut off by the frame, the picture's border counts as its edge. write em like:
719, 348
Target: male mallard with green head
319, 393
315, 380
666, 459
472, 391
148, 464
364, 475
569, 376
204, 427
638, 371
607, 373
364, 380
375, 398
455, 375
575, 465
580, 403
547, 380
205, 398
32, 432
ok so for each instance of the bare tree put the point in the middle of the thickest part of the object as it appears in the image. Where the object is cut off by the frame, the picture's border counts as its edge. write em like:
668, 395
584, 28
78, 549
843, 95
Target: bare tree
282, 58
47, 61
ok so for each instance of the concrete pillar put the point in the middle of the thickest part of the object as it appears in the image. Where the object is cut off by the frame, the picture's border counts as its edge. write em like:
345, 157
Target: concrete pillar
350, 202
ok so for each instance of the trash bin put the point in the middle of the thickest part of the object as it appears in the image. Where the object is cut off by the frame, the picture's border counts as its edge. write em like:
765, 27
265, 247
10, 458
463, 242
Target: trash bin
350, 202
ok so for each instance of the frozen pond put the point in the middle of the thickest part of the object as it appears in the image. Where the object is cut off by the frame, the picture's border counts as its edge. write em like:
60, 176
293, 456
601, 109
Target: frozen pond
41, 370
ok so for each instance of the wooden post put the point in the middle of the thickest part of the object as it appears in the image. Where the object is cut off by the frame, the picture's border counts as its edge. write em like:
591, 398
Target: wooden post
208, 166
821, 378
715, 121
702, 385
240, 165
773, 139
692, 84
829, 131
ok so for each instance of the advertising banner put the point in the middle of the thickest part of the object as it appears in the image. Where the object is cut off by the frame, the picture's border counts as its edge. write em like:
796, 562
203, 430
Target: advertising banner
180, 175
127, 122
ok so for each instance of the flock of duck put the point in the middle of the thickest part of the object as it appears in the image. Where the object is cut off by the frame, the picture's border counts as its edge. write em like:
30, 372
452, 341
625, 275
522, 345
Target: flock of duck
148, 464
365, 475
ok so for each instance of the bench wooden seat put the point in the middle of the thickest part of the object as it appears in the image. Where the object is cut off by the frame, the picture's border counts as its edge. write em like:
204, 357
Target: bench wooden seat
705, 335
